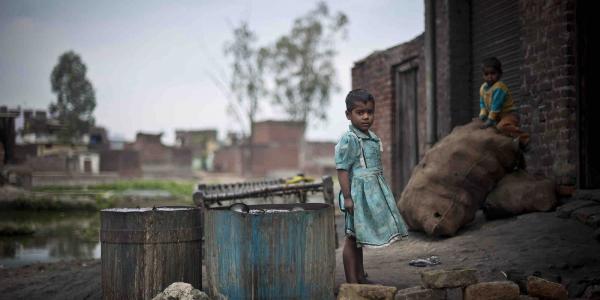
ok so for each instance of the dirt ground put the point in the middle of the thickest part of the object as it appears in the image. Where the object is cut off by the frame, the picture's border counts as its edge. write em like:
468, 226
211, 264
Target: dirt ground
563, 250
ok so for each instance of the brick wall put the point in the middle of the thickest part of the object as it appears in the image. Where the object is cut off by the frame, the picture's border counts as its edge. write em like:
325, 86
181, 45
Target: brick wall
548, 106
124, 162
275, 158
153, 152
376, 74
277, 131
276, 147
229, 160
181, 157
49, 163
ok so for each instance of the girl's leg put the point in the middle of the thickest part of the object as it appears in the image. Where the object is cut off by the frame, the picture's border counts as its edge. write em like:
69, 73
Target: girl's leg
351, 260
362, 275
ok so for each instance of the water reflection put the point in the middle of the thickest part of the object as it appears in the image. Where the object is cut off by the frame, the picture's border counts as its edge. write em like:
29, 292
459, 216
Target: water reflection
56, 236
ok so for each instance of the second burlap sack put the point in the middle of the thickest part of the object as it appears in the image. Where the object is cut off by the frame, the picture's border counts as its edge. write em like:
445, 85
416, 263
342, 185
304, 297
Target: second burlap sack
518, 193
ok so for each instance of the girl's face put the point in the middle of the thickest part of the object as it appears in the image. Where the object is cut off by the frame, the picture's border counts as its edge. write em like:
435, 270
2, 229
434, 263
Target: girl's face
362, 115
491, 75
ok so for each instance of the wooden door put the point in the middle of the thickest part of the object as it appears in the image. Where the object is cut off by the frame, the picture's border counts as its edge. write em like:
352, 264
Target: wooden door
406, 154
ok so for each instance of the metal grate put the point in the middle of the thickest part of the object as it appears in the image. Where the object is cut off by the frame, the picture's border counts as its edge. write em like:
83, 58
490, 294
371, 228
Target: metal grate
496, 31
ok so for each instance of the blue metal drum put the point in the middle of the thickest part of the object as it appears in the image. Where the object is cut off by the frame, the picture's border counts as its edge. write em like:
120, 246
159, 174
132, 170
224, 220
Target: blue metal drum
271, 252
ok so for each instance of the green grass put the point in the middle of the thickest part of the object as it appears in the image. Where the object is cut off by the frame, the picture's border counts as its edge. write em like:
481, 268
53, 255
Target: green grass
110, 194
176, 188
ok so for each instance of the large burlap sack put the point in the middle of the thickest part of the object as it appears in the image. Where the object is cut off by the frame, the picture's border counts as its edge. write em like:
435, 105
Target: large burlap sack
454, 177
518, 193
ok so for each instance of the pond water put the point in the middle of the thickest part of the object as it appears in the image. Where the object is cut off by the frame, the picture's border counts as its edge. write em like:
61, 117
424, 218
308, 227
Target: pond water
55, 236
60, 236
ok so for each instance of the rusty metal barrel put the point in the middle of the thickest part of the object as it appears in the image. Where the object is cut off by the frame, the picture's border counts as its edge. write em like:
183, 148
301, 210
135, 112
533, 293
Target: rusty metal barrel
277, 251
144, 250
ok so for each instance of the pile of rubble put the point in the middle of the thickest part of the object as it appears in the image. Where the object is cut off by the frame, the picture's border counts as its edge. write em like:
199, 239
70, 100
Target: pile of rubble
457, 284
181, 291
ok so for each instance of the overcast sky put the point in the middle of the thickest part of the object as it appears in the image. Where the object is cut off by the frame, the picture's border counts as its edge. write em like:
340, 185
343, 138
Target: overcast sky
149, 60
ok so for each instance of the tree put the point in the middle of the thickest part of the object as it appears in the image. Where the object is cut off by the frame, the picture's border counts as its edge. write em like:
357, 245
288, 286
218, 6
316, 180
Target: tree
246, 84
75, 98
303, 64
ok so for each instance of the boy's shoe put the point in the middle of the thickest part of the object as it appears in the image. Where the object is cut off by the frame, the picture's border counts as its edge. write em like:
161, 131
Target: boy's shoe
520, 163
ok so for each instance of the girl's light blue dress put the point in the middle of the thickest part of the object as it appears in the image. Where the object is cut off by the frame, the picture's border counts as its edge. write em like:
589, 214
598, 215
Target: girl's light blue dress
376, 221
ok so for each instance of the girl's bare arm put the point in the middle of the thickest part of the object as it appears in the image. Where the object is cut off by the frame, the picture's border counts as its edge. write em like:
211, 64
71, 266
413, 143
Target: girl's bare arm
344, 179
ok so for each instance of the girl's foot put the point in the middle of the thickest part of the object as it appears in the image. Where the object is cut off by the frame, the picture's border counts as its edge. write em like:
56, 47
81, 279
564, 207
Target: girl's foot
366, 281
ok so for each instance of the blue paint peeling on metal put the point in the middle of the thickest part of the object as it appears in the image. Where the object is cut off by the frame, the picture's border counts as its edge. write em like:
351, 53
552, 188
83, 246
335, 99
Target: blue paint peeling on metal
272, 255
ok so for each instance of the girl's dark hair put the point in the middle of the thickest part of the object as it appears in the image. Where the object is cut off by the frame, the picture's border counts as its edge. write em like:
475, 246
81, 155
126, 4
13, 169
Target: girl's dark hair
357, 95
492, 62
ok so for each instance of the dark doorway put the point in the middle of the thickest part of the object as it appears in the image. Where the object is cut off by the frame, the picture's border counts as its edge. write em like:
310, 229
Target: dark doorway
7, 136
406, 154
588, 107
87, 166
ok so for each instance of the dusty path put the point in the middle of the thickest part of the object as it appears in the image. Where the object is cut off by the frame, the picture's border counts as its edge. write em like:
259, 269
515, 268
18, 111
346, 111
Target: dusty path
560, 249
71, 280
557, 248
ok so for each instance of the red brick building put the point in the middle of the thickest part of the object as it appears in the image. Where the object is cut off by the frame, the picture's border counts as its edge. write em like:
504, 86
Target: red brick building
276, 148
547, 50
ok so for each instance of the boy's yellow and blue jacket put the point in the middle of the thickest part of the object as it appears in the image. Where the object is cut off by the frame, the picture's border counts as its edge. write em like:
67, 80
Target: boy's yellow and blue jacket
495, 101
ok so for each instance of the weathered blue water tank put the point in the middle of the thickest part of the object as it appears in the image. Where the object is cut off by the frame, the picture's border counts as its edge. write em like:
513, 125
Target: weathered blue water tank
272, 252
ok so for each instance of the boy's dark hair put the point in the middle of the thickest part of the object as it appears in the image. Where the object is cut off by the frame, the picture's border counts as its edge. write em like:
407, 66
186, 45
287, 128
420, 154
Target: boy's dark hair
357, 95
492, 62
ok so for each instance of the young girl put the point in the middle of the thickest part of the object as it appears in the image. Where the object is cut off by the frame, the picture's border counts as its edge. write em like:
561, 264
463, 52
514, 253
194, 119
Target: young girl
372, 218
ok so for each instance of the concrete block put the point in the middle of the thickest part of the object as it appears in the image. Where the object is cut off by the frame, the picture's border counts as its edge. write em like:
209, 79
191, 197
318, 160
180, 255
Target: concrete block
351, 291
454, 294
496, 290
566, 210
439, 279
419, 293
542, 288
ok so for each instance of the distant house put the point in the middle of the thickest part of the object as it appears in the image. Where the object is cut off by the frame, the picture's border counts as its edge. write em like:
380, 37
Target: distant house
202, 143
39, 150
157, 159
